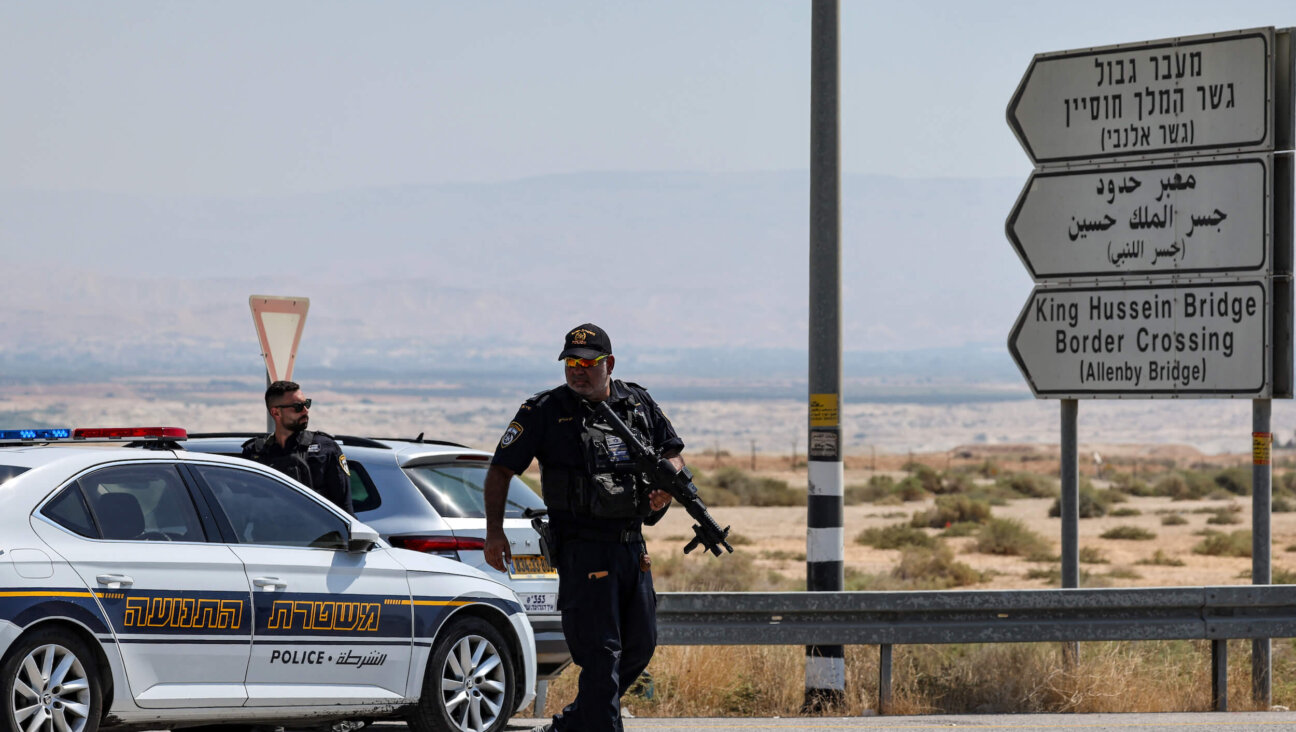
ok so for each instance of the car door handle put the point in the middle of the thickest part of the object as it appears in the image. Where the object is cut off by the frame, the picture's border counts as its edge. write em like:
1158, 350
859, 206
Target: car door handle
270, 583
115, 581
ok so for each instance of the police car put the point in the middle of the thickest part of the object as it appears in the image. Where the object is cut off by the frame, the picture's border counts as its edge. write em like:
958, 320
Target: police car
427, 496
161, 588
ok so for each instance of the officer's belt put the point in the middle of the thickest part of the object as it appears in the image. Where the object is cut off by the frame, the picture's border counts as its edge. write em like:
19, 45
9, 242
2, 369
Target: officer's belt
625, 536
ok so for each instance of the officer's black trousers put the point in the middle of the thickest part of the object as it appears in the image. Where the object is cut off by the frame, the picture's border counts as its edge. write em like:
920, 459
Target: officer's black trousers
609, 615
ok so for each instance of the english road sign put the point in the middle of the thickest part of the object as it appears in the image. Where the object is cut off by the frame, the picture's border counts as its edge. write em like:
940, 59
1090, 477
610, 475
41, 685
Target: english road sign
1183, 339
1200, 215
1167, 97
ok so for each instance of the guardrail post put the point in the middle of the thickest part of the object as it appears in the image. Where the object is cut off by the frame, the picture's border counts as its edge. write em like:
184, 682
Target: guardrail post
1219, 674
884, 678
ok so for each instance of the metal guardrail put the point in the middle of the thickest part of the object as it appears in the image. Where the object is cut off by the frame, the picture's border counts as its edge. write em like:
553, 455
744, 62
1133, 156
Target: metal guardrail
1217, 614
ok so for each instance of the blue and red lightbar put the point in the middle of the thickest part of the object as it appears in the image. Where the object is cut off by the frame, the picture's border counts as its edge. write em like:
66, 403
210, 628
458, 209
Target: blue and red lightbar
95, 434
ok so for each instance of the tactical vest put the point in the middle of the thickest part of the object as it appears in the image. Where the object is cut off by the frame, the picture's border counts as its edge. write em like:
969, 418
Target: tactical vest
292, 464
611, 486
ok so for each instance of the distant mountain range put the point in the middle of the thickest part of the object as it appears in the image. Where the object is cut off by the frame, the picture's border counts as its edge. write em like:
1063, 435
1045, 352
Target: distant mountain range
701, 277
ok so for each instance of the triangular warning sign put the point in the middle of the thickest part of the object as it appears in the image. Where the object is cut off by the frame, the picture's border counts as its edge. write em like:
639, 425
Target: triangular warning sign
279, 322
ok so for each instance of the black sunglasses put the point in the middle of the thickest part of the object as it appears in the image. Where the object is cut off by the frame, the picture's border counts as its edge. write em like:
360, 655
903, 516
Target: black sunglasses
296, 406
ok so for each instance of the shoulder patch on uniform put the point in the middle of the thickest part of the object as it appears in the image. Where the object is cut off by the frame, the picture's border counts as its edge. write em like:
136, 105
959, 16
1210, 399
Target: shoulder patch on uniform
510, 434
343, 463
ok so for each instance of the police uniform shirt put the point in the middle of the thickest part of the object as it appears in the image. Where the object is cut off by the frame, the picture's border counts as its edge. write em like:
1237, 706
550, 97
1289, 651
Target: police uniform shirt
549, 427
310, 458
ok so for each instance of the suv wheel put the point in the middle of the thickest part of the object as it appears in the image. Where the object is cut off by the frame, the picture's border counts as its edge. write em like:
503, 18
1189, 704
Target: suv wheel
470, 681
51, 681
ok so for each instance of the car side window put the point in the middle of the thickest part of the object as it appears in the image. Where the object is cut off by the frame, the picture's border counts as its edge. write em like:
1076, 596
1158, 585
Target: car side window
68, 509
364, 496
262, 510
142, 503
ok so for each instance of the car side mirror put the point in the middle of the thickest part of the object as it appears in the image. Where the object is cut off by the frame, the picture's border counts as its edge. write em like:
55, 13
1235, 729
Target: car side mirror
362, 538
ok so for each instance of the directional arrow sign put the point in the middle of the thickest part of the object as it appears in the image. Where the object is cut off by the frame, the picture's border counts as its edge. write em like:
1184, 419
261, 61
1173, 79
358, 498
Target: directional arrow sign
1204, 340
1210, 215
1178, 95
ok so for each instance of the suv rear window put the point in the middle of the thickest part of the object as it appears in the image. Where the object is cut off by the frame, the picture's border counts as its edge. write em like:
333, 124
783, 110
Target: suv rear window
456, 491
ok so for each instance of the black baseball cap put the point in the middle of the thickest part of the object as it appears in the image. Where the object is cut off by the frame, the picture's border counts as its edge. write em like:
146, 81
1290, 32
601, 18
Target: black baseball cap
586, 341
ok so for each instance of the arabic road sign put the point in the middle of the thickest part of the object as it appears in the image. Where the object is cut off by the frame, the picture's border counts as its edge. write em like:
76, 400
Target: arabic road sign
1201, 215
1176, 340
279, 322
1166, 97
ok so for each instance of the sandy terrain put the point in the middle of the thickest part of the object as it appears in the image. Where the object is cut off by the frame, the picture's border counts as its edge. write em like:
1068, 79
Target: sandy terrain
783, 530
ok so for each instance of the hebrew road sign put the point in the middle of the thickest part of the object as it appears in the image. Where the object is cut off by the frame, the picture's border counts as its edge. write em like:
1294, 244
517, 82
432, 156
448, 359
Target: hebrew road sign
1187, 95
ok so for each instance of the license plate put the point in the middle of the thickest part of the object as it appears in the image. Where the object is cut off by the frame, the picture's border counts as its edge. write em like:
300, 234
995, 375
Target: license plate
540, 602
531, 565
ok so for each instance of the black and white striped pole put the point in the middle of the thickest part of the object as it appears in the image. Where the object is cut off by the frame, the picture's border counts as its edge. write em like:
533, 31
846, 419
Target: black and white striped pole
825, 665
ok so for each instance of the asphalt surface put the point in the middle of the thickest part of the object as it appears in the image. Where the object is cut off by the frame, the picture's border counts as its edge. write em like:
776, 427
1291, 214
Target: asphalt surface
1203, 721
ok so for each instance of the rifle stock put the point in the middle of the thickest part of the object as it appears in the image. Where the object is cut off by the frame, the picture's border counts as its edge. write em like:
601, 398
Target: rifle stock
679, 484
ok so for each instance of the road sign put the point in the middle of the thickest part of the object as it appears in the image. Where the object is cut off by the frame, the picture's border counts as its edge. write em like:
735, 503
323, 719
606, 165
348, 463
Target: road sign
1200, 215
1156, 339
1167, 97
279, 322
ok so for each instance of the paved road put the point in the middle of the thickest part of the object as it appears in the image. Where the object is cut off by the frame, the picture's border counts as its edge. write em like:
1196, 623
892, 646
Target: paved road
1197, 722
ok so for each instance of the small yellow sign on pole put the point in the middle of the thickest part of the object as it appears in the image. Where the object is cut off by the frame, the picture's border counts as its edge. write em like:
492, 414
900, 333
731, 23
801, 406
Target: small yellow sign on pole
823, 410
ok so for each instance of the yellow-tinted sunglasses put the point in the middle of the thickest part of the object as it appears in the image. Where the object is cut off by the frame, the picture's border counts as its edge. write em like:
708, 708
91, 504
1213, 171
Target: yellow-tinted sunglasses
583, 362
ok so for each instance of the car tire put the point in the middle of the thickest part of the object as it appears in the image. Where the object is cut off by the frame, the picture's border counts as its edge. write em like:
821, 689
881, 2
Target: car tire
51, 674
470, 684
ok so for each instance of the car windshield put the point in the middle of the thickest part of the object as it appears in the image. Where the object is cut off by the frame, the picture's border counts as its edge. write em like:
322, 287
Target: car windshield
456, 491
9, 471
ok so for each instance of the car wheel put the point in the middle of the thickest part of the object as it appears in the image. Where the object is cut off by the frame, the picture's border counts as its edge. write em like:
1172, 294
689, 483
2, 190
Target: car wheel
52, 684
470, 681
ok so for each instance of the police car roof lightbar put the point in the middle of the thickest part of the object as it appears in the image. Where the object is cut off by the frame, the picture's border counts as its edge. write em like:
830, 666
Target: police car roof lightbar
130, 433
42, 434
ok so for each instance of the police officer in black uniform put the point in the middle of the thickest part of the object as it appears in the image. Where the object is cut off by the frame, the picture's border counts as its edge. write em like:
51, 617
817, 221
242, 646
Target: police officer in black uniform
598, 502
310, 458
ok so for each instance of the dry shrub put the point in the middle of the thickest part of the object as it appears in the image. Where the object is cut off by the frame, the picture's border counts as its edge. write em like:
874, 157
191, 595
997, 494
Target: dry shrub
1161, 559
895, 536
730, 486
1173, 519
1029, 485
1132, 533
1218, 544
934, 568
702, 572
1009, 537
951, 510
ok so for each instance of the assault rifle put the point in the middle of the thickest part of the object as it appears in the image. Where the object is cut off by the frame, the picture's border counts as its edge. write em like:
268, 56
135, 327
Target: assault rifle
661, 474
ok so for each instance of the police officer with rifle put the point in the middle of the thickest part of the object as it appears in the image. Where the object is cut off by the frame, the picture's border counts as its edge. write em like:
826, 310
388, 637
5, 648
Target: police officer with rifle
609, 463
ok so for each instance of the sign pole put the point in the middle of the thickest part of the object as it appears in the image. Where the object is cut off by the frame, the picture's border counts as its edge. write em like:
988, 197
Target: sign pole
1070, 508
1261, 541
825, 669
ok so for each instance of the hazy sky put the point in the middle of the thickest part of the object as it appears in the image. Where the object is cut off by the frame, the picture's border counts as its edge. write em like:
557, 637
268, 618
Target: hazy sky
267, 98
